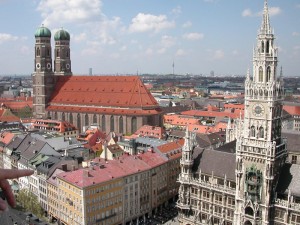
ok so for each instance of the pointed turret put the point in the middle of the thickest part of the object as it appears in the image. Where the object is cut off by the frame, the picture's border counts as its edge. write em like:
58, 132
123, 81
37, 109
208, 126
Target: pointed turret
265, 26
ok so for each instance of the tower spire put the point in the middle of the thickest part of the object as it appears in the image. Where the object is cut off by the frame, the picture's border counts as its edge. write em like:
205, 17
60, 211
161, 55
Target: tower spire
265, 26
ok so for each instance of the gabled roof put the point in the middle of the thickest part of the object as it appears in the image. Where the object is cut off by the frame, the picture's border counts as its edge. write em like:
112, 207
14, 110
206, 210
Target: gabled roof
102, 94
6, 137
8, 116
102, 171
293, 141
214, 162
172, 150
292, 109
289, 180
212, 114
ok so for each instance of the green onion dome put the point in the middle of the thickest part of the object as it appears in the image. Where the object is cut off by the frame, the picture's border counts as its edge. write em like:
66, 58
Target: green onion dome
62, 35
42, 32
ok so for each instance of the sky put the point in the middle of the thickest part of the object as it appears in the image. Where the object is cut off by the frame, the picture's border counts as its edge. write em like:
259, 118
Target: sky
150, 36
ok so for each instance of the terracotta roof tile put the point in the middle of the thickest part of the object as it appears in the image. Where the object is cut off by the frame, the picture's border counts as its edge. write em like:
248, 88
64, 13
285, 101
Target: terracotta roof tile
103, 171
104, 91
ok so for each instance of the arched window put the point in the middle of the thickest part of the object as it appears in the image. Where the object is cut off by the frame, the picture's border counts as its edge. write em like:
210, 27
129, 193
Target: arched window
112, 123
38, 52
103, 123
121, 125
252, 131
262, 46
71, 118
268, 73
63, 117
78, 122
86, 120
260, 74
95, 119
55, 115
248, 223
268, 47
261, 132
57, 53
249, 211
48, 52
133, 124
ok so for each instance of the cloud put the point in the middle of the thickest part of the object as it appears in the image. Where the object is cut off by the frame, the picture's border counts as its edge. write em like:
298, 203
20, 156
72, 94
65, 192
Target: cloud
176, 10
193, 36
180, 52
296, 50
187, 24
25, 50
273, 11
149, 51
66, 11
167, 41
106, 28
235, 52
296, 34
147, 22
7, 37
80, 37
218, 54
247, 12
123, 48
161, 51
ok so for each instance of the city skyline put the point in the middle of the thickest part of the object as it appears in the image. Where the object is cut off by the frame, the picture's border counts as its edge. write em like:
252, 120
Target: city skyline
130, 37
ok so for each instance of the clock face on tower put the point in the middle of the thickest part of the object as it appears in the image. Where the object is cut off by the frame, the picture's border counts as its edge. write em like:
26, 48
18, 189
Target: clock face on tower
258, 110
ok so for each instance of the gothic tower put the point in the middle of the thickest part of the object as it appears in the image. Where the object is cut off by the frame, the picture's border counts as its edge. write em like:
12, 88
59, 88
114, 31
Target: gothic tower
43, 79
62, 60
186, 173
260, 150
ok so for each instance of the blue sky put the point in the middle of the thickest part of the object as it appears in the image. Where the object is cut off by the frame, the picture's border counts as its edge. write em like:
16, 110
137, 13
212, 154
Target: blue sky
136, 36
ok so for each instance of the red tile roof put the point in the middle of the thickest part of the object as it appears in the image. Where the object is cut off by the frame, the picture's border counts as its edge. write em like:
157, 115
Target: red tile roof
294, 110
16, 103
6, 137
200, 113
150, 131
103, 94
172, 150
112, 169
8, 116
59, 126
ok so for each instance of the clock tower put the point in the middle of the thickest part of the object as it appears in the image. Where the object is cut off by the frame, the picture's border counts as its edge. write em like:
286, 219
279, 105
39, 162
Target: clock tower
43, 77
260, 150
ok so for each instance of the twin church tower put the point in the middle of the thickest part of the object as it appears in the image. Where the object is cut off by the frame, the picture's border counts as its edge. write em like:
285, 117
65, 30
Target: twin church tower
45, 70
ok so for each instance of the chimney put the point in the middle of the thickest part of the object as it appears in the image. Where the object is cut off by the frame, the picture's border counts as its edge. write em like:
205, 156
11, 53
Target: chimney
64, 167
85, 173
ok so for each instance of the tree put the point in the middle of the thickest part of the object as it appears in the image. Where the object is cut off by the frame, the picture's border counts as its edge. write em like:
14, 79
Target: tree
30, 202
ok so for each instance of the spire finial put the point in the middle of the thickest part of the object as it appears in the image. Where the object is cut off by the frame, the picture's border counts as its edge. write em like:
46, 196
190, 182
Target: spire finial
248, 74
265, 26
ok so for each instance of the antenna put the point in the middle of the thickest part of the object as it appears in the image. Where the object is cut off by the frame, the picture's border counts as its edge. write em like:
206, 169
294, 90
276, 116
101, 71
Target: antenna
173, 65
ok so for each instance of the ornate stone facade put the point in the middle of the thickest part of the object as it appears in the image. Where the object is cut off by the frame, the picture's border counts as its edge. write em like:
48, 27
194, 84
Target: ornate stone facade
247, 181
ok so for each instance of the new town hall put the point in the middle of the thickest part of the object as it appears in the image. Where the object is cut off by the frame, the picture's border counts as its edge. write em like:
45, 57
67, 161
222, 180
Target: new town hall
246, 181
